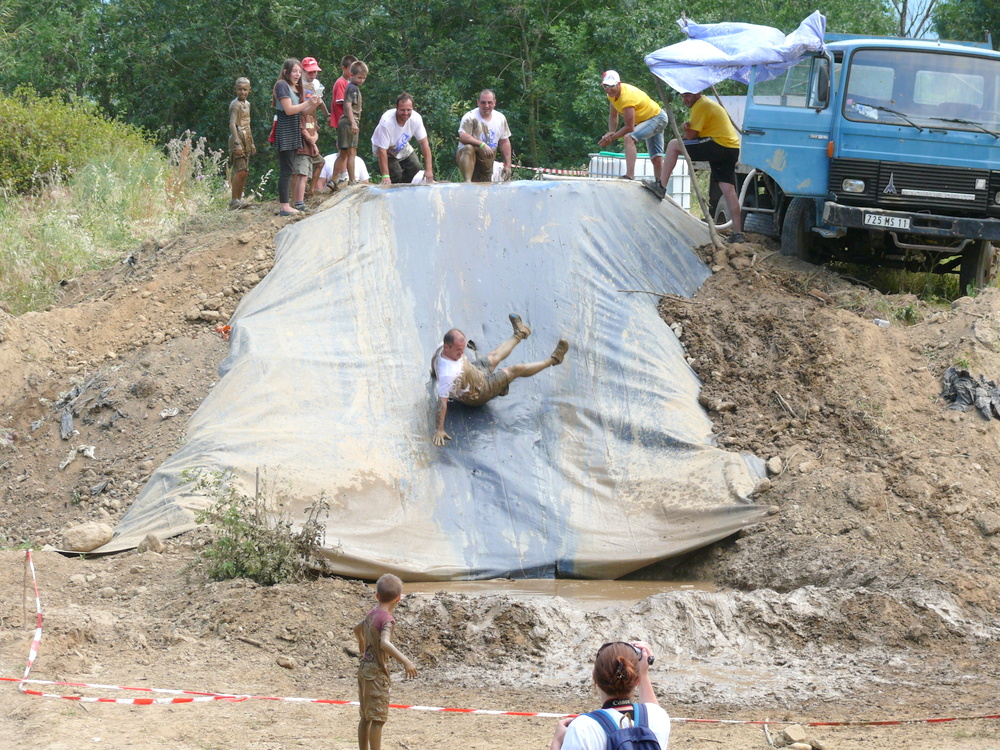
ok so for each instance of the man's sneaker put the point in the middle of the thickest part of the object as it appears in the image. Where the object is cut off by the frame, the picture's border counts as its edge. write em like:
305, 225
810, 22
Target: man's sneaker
521, 331
559, 354
655, 188
734, 238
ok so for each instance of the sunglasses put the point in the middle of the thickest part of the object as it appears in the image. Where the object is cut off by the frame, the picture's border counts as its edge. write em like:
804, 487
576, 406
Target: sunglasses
638, 651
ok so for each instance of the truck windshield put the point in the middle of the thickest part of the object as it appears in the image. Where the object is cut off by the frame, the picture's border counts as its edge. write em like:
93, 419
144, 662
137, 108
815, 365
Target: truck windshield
924, 89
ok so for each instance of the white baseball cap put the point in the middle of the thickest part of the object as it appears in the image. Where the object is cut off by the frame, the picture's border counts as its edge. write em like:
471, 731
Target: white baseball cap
610, 78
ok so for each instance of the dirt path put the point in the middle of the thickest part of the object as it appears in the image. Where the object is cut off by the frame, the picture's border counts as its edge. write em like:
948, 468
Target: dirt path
869, 595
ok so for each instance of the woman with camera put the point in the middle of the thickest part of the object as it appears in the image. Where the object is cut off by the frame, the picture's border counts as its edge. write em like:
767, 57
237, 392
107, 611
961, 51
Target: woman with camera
619, 668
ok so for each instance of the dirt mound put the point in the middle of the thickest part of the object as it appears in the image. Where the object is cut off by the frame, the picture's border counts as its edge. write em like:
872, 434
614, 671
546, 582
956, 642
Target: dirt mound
870, 593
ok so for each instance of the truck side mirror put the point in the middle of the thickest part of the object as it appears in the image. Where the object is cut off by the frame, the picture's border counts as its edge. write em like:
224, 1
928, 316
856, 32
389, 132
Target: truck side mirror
819, 86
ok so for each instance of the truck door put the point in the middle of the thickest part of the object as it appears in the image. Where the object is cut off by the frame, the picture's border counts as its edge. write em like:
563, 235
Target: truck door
787, 125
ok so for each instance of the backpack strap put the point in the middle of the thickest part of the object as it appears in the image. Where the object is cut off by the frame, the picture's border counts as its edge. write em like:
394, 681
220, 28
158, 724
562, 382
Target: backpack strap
640, 715
607, 723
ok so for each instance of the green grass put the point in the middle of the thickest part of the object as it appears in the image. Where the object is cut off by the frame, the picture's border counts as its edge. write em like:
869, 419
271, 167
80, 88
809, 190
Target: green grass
75, 222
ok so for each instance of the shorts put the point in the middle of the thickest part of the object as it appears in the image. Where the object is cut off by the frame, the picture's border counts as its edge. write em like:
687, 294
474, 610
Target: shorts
485, 383
721, 159
651, 131
317, 161
345, 138
302, 165
482, 170
403, 170
239, 163
373, 692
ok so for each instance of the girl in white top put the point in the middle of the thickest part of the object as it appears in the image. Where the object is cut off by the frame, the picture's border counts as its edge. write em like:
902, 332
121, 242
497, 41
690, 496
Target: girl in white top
618, 670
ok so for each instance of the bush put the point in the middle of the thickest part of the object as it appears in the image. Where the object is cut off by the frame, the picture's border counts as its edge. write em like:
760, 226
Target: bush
40, 135
254, 537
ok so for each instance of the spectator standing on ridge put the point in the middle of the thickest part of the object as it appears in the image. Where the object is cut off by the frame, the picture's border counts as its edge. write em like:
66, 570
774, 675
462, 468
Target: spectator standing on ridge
289, 101
644, 120
482, 132
241, 146
396, 158
708, 136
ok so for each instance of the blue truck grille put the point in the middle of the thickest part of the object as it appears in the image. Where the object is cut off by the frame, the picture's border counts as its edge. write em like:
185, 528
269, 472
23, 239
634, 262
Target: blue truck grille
916, 187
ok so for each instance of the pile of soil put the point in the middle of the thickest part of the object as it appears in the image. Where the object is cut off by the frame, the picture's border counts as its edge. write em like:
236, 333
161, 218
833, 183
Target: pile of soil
869, 594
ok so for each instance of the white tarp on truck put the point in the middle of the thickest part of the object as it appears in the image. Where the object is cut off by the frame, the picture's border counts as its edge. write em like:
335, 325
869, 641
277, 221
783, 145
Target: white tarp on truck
715, 52
594, 468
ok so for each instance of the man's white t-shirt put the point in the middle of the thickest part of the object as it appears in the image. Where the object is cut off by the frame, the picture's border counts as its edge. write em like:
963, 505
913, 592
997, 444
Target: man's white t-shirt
496, 127
389, 134
447, 371
585, 733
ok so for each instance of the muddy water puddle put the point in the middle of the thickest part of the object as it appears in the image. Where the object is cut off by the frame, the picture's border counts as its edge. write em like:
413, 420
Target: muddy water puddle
586, 595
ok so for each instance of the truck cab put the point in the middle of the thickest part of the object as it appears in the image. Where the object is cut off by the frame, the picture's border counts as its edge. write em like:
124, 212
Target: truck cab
884, 152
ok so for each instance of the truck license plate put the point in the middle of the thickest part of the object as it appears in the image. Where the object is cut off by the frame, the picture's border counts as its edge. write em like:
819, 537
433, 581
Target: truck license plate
889, 222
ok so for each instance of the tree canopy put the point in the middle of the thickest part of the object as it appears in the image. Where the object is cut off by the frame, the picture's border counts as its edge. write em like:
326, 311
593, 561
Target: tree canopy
169, 65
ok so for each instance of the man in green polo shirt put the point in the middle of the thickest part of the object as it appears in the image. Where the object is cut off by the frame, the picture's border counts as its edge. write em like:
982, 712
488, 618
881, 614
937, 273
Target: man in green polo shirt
644, 121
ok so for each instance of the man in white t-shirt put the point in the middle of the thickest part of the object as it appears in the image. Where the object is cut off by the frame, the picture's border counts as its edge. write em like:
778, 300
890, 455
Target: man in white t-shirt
330, 160
482, 132
396, 158
475, 383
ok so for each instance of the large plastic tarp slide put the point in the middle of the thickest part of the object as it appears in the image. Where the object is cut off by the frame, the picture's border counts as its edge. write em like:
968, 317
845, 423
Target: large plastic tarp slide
593, 468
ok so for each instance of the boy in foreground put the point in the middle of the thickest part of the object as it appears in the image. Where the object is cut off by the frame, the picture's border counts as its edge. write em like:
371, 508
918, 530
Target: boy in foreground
374, 634
241, 146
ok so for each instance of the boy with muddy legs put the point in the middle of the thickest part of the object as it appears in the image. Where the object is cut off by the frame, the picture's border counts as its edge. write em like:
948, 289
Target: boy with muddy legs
475, 383
349, 127
337, 111
241, 146
374, 634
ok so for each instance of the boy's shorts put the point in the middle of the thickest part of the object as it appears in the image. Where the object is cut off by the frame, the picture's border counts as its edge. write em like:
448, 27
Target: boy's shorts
373, 692
345, 138
239, 163
317, 161
302, 165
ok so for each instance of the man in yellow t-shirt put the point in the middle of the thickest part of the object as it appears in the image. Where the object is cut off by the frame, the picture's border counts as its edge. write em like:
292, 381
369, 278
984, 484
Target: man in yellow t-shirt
709, 136
644, 121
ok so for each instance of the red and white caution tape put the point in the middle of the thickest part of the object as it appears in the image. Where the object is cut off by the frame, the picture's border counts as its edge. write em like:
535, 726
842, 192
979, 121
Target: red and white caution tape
192, 696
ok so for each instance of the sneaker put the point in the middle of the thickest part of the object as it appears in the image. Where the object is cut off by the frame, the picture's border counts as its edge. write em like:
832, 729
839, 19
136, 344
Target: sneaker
624, 177
299, 205
655, 188
236, 204
734, 238
560, 352
520, 329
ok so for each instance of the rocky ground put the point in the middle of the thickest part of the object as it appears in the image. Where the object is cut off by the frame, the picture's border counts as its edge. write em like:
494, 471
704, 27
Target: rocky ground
869, 595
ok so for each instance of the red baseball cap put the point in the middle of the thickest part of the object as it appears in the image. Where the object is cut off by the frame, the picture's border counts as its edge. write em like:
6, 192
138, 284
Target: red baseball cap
310, 64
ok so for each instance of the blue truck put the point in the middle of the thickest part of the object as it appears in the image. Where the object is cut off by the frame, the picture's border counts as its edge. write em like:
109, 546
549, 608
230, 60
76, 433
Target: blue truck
882, 152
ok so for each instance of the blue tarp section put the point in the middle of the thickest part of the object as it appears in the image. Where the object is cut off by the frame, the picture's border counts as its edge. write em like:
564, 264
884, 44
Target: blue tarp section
590, 469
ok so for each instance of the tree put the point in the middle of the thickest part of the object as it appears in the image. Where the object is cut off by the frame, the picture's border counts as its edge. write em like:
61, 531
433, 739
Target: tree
969, 20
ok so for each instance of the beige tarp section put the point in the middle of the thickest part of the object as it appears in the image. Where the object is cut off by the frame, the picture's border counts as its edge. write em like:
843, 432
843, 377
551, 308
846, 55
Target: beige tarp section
591, 469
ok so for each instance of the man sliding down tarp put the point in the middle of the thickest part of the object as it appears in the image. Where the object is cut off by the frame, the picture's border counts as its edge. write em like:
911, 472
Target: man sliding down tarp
719, 51
601, 467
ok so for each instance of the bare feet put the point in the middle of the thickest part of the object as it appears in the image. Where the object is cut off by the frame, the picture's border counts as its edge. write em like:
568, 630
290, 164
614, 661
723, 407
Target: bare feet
561, 348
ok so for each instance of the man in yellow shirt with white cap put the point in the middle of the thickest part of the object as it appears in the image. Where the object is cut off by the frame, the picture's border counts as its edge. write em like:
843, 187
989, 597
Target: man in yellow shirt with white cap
644, 121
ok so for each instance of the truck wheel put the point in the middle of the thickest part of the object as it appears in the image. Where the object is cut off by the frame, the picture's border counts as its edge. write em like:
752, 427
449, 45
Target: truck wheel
797, 239
754, 221
978, 268
721, 215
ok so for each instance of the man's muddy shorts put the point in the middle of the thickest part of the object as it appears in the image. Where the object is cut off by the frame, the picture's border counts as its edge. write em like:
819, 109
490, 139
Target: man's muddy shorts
345, 138
302, 165
239, 163
373, 692
720, 158
482, 170
485, 383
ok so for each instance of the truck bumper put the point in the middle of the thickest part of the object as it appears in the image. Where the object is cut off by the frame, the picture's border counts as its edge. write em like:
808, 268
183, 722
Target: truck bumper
926, 225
